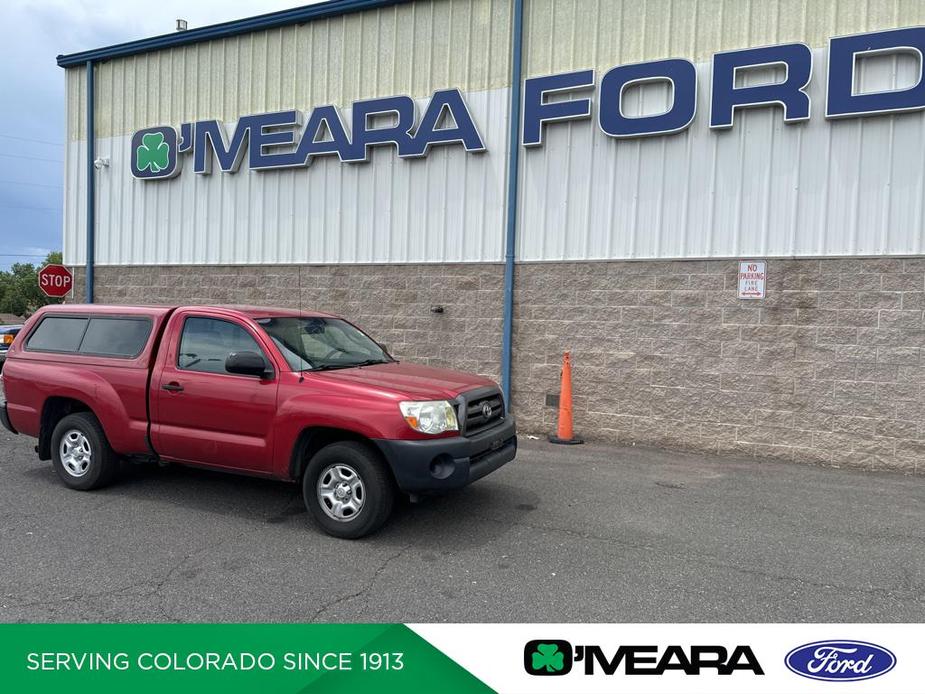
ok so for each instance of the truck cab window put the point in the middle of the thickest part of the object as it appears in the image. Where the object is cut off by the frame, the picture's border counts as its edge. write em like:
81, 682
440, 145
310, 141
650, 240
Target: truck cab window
316, 343
206, 343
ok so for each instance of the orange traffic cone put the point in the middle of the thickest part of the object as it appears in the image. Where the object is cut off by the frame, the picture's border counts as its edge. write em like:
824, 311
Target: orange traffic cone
564, 434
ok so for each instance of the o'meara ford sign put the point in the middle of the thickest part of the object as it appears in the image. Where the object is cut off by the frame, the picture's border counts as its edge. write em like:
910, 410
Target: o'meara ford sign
280, 140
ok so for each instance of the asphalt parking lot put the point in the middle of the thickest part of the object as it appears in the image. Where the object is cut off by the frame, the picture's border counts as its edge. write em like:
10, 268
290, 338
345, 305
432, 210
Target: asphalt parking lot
586, 533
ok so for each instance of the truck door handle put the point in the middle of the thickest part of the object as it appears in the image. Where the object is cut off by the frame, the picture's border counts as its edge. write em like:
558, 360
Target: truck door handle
173, 387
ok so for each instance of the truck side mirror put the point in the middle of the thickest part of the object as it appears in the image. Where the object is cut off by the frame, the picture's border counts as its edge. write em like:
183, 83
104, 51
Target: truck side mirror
248, 364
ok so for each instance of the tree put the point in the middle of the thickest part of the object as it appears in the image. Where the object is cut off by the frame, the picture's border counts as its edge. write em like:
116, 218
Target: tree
19, 287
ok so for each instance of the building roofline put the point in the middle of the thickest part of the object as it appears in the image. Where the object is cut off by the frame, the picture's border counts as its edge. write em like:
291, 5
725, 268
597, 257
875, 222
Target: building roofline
322, 10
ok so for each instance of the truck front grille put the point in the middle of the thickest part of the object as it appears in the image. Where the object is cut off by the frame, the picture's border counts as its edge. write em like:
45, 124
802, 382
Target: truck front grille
482, 411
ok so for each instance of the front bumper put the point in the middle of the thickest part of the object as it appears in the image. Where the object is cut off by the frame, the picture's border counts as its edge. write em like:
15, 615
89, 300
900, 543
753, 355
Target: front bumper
5, 418
450, 463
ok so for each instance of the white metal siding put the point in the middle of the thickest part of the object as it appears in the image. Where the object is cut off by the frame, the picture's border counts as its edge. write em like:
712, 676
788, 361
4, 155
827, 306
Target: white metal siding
75, 170
410, 48
448, 206
850, 187
563, 35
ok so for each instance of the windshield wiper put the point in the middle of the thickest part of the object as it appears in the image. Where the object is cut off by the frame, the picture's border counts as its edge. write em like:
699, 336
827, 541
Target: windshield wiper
331, 367
351, 365
371, 362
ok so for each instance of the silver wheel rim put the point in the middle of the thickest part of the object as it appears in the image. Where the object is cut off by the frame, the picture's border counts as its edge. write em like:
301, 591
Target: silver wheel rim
76, 454
341, 493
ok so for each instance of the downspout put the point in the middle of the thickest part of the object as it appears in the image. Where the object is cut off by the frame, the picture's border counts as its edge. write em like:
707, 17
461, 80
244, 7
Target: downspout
91, 183
512, 188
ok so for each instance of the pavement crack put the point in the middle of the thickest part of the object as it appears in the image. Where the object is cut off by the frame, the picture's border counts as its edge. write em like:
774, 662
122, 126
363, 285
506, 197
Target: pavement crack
85, 596
363, 592
915, 597
155, 594
711, 561
153, 586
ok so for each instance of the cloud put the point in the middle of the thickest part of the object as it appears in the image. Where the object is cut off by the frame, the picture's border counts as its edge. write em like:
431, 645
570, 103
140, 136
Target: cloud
33, 33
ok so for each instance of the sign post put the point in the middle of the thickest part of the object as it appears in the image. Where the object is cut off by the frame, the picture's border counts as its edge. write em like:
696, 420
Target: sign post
55, 281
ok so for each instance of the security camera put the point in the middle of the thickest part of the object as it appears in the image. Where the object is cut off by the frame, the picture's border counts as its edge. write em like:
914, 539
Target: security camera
100, 162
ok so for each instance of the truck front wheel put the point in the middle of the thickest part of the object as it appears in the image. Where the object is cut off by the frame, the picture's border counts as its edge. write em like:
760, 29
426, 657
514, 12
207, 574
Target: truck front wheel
348, 490
80, 453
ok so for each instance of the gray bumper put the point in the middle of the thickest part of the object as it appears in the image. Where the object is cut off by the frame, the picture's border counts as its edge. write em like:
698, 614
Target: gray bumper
449, 463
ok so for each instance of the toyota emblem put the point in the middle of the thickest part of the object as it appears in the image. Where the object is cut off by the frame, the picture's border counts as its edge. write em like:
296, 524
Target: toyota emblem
486, 410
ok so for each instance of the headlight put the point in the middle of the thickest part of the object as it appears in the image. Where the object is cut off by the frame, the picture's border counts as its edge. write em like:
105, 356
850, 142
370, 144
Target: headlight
433, 417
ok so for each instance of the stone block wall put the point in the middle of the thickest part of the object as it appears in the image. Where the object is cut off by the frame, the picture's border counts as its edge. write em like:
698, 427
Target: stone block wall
829, 368
393, 303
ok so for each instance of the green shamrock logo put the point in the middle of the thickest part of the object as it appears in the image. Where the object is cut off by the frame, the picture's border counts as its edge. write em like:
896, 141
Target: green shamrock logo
548, 656
153, 153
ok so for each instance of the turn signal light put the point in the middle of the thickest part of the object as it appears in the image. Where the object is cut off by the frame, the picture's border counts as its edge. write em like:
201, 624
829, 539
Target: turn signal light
7, 339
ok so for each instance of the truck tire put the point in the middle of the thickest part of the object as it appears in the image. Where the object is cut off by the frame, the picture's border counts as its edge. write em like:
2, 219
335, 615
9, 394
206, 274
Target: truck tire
348, 490
81, 454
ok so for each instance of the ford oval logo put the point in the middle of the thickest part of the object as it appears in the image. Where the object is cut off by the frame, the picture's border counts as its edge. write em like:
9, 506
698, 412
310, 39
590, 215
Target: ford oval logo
840, 660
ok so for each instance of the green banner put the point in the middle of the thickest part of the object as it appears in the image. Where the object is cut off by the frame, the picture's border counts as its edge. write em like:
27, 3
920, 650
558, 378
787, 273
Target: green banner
228, 658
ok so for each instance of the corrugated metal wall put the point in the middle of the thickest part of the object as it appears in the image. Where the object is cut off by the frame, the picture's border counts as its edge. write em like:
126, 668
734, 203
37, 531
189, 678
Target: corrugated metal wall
820, 188
817, 188
411, 48
447, 207
75, 168
762, 188
563, 35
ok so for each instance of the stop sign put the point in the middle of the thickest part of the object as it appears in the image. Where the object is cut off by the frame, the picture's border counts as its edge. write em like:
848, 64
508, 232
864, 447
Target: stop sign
55, 280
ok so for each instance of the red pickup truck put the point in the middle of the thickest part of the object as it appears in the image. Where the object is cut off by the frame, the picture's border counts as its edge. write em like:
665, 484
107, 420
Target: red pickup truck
290, 395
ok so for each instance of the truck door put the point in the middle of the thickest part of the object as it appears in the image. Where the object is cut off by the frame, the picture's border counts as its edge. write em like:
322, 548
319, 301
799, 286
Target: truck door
200, 412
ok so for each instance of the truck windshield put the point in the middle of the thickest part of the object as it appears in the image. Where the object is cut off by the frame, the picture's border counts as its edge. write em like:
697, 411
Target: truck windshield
317, 344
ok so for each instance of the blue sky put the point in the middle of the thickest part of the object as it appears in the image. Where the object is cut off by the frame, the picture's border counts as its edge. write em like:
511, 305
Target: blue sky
32, 33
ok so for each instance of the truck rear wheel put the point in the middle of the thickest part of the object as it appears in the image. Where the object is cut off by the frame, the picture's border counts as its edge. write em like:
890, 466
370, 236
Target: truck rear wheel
348, 490
80, 453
